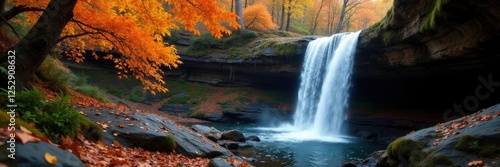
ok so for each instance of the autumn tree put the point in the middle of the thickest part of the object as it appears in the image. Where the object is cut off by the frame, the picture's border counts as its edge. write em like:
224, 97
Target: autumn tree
348, 6
294, 9
257, 17
134, 29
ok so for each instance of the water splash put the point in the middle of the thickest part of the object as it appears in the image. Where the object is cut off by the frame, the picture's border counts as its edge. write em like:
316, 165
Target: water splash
324, 89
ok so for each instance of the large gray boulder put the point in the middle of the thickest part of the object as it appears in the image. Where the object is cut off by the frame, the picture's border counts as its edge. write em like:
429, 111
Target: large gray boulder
152, 132
455, 142
219, 162
32, 154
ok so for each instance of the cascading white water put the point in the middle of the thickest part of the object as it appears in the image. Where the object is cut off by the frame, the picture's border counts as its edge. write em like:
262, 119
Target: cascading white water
324, 89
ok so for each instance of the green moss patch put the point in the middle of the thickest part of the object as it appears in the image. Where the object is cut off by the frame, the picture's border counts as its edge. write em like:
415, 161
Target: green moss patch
430, 19
409, 152
163, 143
90, 129
482, 147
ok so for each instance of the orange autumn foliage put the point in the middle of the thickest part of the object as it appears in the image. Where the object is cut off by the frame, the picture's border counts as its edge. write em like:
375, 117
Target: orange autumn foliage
256, 17
135, 30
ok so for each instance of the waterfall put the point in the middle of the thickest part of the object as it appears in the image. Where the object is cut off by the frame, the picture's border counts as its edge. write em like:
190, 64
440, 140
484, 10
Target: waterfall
325, 80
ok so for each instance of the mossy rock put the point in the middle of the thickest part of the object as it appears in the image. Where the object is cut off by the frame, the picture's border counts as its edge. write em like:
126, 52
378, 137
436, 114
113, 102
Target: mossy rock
477, 145
90, 130
401, 147
163, 143
468, 143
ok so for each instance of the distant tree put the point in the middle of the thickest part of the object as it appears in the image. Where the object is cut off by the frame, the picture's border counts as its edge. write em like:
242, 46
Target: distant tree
348, 6
257, 17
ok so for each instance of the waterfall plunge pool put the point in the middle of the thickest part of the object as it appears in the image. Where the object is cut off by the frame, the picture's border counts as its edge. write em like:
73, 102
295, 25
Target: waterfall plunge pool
285, 147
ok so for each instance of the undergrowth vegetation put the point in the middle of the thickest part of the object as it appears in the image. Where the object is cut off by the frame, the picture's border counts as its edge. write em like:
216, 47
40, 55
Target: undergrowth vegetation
55, 118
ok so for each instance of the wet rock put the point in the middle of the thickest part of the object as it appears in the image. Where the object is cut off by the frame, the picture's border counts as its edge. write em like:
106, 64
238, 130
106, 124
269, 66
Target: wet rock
219, 162
251, 159
209, 132
229, 144
253, 138
485, 133
348, 165
233, 135
244, 145
32, 154
154, 133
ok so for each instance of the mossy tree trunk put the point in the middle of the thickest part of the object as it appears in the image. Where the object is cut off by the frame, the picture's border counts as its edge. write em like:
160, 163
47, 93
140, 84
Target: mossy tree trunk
33, 48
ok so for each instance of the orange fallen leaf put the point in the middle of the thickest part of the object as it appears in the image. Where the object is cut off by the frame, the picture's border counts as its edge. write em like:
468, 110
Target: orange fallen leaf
50, 158
25, 130
121, 125
476, 163
25, 138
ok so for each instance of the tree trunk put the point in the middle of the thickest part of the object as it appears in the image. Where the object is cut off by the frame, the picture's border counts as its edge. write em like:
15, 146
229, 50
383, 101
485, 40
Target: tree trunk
315, 24
239, 12
33, 48
232, 5
289, 14
342, 15
272, 10
282, 26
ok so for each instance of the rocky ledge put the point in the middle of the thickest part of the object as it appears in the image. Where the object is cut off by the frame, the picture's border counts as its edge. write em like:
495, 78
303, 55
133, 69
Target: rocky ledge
467, 141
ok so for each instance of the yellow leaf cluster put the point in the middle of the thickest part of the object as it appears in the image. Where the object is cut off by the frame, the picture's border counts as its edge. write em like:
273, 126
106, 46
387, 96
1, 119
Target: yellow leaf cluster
135, 29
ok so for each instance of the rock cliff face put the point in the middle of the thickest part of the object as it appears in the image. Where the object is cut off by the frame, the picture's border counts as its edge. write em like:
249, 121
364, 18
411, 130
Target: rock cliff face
397, 57
464, 38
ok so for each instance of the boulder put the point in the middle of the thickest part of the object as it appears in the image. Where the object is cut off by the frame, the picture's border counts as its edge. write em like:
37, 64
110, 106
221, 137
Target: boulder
244, 145
253, 138
209, 132
233, 135
152, 132
454, 143
219, 162
229, 144
32, 154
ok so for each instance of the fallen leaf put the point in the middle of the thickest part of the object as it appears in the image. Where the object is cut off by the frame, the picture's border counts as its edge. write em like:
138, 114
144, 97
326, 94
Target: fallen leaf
25, 130
121, 125
25, 138
50, 158
476, 163
115, 134
116, 143
69, 144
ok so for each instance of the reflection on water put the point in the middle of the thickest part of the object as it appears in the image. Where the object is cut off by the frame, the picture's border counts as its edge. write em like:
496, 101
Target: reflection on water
286, 147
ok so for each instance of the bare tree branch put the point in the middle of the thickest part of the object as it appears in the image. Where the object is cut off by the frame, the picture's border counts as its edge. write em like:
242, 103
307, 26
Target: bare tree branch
13, 12
10, 26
